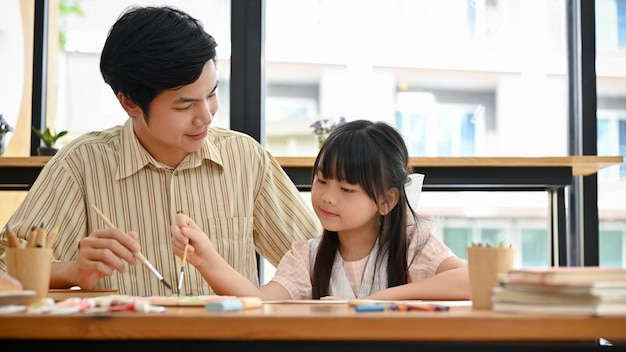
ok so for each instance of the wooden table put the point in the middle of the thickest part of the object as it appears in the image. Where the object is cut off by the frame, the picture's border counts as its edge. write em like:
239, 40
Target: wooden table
549, 174
305, 326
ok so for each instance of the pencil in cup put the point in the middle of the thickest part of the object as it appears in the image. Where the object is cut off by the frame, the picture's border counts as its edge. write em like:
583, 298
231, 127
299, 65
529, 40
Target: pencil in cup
138, 255
184, 262
40, 241
31, 237
12, 237
35, 239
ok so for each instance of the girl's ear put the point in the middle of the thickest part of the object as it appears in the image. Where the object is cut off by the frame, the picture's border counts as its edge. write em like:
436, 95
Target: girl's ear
386, 205
132, 109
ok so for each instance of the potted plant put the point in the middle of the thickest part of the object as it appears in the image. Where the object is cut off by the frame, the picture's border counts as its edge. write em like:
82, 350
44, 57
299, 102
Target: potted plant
49, 140
323, 127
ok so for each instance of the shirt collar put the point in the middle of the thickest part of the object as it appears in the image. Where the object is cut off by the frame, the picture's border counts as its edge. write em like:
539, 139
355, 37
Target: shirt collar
134, 157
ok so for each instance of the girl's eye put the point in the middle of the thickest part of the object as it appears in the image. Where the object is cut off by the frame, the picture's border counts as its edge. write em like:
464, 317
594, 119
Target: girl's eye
318, 180
347, 190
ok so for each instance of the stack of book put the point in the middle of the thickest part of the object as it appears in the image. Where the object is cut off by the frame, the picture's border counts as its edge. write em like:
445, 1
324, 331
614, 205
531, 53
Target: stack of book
562, 290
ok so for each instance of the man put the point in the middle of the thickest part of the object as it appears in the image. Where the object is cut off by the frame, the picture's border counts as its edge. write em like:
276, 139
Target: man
165, 159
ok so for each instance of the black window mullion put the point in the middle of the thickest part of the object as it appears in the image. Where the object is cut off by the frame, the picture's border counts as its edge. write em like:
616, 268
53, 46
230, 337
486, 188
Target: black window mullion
40, 71
583, 232
247, 77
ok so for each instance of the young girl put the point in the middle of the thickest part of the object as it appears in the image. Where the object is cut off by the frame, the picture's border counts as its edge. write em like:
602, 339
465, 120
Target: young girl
374, 245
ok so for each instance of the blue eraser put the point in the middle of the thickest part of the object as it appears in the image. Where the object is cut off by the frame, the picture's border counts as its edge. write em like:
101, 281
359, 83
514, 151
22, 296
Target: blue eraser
225, 306
369, 308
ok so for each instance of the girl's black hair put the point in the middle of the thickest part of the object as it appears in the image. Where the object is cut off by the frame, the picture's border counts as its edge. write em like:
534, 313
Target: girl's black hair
374, 156
152, 49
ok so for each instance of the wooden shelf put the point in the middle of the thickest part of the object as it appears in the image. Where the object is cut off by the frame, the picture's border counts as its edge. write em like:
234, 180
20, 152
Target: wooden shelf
581, 165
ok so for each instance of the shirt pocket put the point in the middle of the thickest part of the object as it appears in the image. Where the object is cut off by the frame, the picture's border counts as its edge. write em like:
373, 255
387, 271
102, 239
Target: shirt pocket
233, 237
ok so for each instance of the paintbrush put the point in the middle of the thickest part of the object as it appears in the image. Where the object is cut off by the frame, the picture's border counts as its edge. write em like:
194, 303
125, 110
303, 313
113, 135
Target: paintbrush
182, 265
138, 255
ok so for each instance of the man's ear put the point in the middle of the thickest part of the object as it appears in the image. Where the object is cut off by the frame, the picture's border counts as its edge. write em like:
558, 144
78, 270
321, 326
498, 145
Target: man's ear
131, 108
386, 205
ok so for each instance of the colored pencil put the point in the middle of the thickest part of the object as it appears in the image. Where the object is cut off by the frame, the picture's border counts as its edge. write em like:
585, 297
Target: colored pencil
41, 237
31, 238
12, 237
138, 255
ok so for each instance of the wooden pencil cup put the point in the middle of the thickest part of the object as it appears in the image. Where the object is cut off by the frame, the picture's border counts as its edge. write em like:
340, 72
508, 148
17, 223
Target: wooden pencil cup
485, 265
31, 266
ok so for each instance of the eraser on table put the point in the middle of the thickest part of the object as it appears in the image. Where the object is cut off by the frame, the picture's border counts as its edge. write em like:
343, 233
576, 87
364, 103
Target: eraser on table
369, 308
225, 306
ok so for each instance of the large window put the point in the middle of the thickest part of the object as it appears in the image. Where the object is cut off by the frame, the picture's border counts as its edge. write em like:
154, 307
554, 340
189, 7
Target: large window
457, 77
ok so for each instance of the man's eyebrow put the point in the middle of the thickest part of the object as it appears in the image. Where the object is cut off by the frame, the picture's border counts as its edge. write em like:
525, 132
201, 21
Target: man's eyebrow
187, 100
184, 100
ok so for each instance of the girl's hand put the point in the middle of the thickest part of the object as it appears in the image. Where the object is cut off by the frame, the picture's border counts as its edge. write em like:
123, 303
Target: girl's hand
186, 231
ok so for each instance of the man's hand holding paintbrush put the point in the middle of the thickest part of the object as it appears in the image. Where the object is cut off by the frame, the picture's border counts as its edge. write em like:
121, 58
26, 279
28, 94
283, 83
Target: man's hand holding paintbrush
134, 249
100, 254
